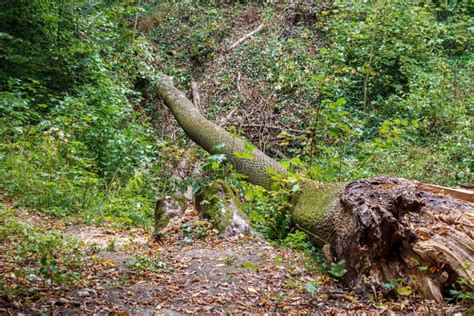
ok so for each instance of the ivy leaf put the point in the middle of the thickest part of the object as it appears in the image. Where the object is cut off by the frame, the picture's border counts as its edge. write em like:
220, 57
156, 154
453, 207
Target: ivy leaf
218, 146
218, 158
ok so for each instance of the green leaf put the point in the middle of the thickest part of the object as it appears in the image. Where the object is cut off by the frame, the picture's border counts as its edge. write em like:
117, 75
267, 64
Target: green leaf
280, 296
341, 101
218, 146
243, 155
297, 162
389, 286
249, 266
338, 269
249, 147
310, 287
217, 157
249, 195
278, 260
404, 290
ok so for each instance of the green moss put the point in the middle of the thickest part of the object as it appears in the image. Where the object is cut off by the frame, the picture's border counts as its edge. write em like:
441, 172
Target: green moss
161, 222
313, 201
216, 140
176, 202
214, 198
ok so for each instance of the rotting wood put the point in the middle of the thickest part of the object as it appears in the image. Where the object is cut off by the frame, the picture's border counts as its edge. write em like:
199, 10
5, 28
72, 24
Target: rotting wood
461, 193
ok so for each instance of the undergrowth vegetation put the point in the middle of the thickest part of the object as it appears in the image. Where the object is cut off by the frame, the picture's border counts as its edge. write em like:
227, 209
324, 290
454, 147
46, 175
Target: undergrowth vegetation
75, 138
380, 87
342, 90
46, 257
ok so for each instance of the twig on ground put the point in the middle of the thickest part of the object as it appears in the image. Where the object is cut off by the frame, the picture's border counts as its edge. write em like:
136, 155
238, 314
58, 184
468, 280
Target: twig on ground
274, 128
228, 117
196, 95
244, 38
237, 82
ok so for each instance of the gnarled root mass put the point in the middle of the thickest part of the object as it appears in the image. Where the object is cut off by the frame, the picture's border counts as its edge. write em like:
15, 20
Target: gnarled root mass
387, 228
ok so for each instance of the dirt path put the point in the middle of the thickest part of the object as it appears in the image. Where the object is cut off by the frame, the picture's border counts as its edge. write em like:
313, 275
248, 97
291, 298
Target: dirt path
185, 274
192, 270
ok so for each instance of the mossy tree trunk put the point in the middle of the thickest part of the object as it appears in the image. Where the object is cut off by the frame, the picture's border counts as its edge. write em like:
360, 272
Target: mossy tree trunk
216, 140
384, 228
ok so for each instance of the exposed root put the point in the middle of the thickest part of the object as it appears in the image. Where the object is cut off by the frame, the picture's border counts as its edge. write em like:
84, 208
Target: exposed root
396, 230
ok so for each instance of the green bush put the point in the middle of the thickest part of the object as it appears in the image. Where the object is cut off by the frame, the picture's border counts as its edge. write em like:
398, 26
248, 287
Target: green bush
75, 138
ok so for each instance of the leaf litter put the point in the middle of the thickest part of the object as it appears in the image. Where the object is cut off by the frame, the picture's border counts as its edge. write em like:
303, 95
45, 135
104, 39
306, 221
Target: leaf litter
127, 272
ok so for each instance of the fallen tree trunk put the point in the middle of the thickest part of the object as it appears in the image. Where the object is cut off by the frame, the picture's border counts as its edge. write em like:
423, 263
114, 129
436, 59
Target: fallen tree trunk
216, 140
384, 228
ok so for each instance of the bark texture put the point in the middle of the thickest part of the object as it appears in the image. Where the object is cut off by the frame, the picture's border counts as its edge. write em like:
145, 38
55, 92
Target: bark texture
215, 139
384, 228
387, 228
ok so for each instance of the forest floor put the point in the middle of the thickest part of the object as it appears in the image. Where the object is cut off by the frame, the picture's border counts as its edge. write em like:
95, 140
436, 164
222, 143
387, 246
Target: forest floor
189, 270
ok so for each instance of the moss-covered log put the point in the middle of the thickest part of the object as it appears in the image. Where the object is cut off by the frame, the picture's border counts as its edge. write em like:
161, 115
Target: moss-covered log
384, 228
215, 139
218, 203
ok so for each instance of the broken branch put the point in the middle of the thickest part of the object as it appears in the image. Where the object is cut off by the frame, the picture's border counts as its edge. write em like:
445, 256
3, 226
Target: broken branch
245, 38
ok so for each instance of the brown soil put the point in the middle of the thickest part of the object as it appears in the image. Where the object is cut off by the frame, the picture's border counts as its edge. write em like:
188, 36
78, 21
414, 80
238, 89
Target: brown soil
208, 274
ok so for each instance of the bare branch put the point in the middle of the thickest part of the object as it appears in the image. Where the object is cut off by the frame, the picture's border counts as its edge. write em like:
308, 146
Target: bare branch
298, 131
245, 38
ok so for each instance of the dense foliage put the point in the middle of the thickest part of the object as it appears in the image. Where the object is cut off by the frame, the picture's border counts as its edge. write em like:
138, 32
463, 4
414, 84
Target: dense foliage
354, 89
74, 137
384, 87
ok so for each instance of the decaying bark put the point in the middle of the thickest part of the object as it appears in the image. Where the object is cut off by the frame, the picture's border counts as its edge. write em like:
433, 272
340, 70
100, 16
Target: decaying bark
384, 228
387, 228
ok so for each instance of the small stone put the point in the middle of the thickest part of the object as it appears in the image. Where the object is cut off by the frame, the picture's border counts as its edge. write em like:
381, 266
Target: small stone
84, 293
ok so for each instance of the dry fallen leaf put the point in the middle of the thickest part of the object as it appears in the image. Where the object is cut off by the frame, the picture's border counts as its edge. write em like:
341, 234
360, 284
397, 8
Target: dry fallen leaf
252, 290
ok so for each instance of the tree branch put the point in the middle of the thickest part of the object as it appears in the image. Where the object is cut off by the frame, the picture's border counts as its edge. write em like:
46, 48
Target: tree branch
244, 38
